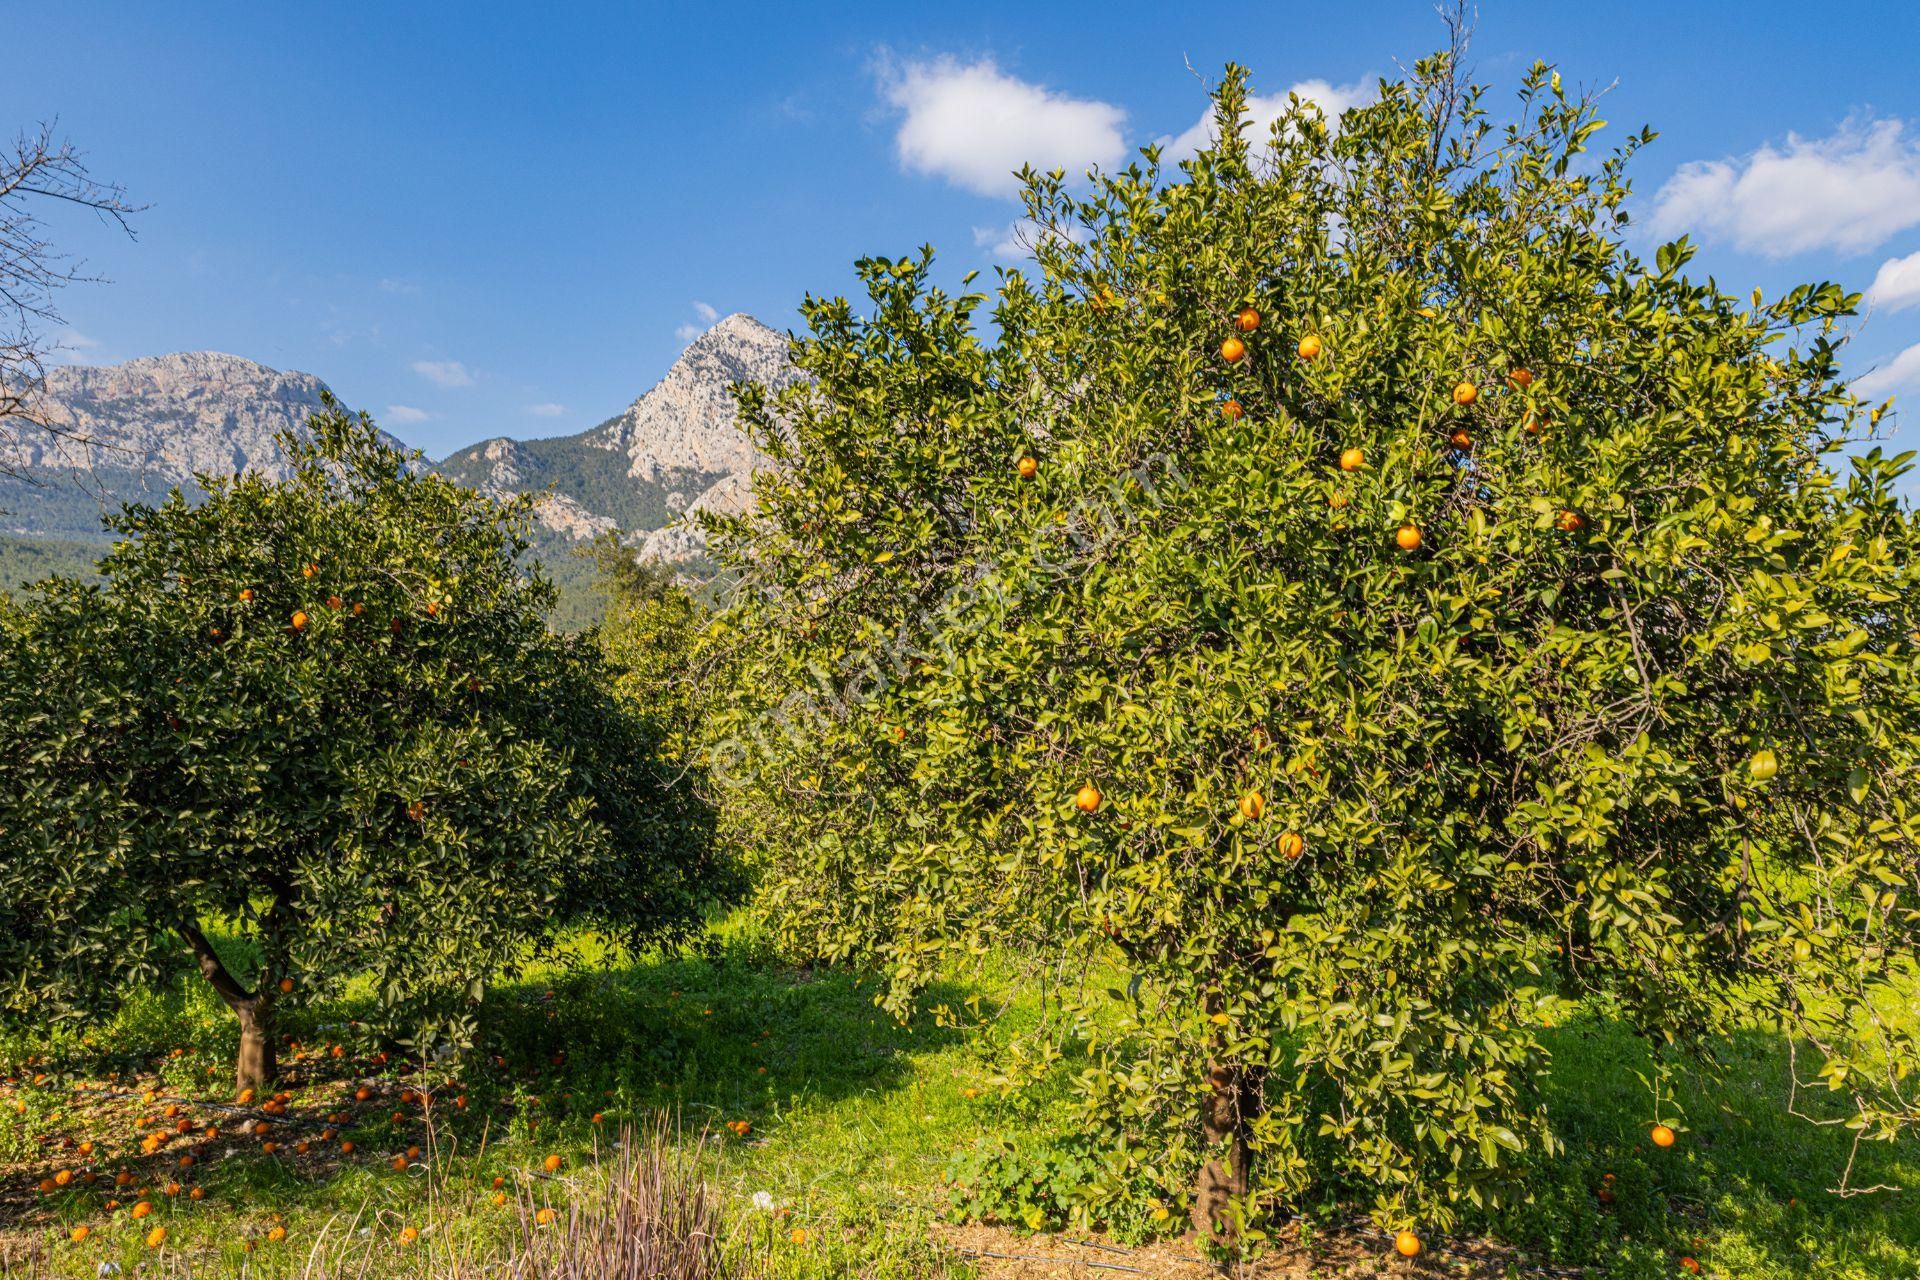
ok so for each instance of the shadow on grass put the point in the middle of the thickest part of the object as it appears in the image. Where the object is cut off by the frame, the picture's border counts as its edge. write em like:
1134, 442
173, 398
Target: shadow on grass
729, 1036
1745, 1189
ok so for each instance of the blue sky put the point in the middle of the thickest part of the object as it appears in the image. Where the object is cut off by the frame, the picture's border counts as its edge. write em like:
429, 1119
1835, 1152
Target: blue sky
483, 219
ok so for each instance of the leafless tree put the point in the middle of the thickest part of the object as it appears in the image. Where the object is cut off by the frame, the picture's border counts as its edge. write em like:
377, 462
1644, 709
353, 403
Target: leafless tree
38, 175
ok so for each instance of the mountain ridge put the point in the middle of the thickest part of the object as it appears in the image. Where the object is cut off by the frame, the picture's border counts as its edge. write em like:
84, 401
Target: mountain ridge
132, 431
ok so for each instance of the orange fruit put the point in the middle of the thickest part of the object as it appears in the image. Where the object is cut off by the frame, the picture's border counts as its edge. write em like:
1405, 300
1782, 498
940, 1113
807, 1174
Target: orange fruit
1352, 458
1534, 425
309, 569
286, 986
358, 608
1406, 1244
1233, 351
1465, 393
198, 1193
399, 1164
334, 602
413, 1153
142, 1209
1662, 1136
86, 1148
1407, 538
299, 620
551, 1164
433, 608
1247, 321
544, 1217
1087, 798
499, 1197
1252, 805
63, 1177
1310, 347
597, 1117
246, 1096
408, 1235
277, 1233
1232, 409
416, 810
80, 1233
1568, 522
1688, 1265
1337, 501
1028, 468
1291, 845
1519, 379
346, 1146
499, 1183
246, 594
798, 1235
156, 1237
1460, 439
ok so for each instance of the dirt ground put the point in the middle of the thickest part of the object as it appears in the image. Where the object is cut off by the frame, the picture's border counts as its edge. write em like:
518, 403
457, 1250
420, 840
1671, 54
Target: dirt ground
1356, 1251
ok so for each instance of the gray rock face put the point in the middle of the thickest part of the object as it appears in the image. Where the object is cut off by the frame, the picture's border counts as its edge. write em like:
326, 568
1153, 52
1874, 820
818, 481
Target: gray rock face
686, 422
684, 539
166, 416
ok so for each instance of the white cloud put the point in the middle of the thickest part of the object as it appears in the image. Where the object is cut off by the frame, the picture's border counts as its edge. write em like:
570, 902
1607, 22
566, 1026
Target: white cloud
406, 414
1900, 372
706, 313
547, 410
1332, 99
975, 126
393, 284
1897, 284
445, 373
73, 347
1849, 192
688, 332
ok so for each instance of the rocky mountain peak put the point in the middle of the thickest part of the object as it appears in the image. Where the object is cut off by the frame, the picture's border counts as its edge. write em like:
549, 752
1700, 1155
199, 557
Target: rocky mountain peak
166, 417
686, 421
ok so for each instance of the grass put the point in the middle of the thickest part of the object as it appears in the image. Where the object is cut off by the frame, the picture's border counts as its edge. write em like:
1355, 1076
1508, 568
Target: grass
851, 1120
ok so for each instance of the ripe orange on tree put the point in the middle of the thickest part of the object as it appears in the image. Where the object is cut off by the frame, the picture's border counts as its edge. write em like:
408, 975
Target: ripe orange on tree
1662, 1136
1407, 537
1087, 798
1028, 468
1465, 393
1291, 845
1352, 458
1247, 321
1406, 1244
1520, 379
1233, 350
1310, 347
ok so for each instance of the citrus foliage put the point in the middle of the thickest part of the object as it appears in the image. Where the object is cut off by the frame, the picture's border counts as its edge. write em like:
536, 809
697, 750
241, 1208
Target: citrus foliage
1419, 612
323, 713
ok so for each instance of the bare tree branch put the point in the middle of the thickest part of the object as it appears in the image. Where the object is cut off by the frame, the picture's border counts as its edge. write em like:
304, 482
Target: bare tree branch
38, 170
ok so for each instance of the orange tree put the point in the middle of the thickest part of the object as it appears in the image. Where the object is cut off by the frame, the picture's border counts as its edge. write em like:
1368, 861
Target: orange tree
322, 717
1352, 607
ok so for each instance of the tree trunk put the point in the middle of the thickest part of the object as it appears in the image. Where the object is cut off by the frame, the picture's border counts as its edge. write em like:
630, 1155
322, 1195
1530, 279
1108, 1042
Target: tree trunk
257, 1064
1231, 1103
